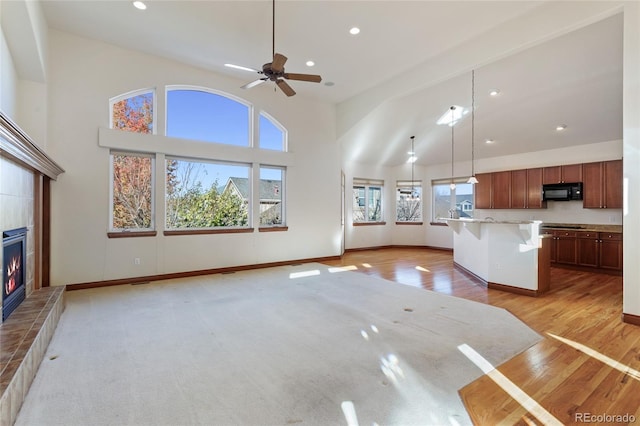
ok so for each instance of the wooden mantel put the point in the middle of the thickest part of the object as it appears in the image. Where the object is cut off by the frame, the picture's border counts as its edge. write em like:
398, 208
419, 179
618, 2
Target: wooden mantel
18, 146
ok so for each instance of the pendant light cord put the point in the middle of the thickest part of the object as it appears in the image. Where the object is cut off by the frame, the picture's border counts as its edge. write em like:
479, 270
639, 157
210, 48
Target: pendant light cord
473, 119
452, 109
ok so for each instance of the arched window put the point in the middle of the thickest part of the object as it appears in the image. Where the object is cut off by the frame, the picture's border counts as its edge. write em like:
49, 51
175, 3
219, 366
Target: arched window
202, 115
133, 111
272, 134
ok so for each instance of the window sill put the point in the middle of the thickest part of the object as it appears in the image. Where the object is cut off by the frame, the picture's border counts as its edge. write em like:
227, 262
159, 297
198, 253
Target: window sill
273, 229
409, 223
131, 234
368, 223
438, 224
208, 231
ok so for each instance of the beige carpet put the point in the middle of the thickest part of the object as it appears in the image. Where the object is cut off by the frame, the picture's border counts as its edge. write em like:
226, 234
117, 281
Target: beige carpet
288, 345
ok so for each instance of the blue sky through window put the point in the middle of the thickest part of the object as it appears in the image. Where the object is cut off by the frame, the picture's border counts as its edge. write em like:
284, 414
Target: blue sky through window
204, 116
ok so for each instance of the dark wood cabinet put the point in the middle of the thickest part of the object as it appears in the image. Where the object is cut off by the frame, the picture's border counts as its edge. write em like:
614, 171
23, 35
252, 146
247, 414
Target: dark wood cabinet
501, 190
534, 189
610, 255
559, 174
526, 189
588, 249
602, 185
566, 247
482, 191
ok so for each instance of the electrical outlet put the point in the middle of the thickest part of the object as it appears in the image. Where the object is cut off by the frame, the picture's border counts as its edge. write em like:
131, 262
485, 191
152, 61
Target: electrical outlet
612, 219
136, 261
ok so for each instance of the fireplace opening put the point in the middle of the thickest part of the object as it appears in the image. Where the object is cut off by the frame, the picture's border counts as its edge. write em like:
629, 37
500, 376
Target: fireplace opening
14, 251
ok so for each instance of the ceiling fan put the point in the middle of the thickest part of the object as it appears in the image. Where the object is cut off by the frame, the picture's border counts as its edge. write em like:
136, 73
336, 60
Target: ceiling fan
274, 70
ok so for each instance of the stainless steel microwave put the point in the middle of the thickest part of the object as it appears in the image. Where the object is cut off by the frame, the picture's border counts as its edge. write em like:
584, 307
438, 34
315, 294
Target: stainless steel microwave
562, 191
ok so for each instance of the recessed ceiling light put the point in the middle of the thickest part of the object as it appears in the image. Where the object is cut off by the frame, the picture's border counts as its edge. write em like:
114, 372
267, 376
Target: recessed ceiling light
494, 92
561, 127
139, 5
489, 141
354, 31
310, 63
329, 83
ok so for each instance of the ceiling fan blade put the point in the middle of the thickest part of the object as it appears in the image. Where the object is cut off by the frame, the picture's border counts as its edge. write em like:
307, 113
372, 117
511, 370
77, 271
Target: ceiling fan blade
285, 87
303, 77
278, 62
240, 67
254, 83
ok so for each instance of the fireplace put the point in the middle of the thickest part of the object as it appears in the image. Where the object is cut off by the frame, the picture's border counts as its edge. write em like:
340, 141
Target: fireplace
14, 251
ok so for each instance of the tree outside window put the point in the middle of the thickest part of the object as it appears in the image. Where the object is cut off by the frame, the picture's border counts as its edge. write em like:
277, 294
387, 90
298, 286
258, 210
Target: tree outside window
409, 201
367, 200
202, 194
132, 186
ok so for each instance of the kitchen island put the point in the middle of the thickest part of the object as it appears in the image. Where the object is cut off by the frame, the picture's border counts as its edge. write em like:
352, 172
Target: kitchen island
506, 255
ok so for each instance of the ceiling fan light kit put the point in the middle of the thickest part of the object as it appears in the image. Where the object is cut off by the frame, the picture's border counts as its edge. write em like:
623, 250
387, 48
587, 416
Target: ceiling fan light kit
274, 70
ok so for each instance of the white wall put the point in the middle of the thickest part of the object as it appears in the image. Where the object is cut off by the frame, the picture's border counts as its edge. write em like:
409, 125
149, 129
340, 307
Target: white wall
83, 75
631, 163
8, 78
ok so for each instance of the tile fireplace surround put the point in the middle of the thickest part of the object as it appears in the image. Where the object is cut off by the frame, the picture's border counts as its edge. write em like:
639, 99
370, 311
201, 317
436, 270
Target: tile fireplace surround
24, 338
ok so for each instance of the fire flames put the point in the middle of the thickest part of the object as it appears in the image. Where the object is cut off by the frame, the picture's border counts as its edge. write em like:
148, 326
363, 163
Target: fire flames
13, 268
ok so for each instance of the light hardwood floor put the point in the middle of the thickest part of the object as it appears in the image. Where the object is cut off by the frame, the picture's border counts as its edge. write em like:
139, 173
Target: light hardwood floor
571, 383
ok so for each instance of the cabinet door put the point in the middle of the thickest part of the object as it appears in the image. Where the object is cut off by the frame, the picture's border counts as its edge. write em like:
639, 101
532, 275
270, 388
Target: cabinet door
588, 246
482, 191
612, 185
572, 173
519, 190
501, 191
551, 174
566, 247
610, 251
534, 189
592, 185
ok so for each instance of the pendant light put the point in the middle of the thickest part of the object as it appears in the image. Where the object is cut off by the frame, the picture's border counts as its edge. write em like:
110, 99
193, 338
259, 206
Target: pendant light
472, 180
413, 162
452, 185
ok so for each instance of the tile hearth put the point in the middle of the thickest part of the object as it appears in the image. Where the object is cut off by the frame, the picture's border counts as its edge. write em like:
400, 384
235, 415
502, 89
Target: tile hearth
24, 338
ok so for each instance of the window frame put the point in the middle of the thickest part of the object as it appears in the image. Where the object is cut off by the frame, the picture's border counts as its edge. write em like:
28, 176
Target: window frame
212, 229
452, 197
186, 87
132, 94
368, 184
276, 124
408, 184
283, 194
132, 232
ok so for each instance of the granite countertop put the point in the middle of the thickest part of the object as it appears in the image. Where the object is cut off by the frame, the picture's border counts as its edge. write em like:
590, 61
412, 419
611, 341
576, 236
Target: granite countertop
582, 227
489, 220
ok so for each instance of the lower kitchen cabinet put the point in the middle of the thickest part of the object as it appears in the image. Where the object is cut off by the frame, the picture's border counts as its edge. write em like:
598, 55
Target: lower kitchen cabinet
586, 249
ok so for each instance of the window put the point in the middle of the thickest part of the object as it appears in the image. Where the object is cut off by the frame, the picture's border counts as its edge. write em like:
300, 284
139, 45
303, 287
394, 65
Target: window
206, 194
452, 203
133, 112
409, 201
272, 135
367, 200
205, 116
131, 191
271, 196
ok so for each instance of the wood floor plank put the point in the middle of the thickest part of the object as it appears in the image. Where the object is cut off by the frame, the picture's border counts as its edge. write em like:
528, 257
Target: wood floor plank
583, 307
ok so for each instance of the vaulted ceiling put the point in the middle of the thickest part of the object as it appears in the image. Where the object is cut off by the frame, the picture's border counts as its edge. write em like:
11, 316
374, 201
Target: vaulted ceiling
573, 78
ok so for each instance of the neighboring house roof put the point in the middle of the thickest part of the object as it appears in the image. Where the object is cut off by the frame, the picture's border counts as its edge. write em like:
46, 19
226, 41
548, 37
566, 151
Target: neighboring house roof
269, 189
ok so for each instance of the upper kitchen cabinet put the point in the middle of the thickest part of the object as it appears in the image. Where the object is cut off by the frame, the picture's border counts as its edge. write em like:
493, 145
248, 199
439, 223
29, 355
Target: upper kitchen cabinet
602, 185
560, 174
501, 193
526, 189
482, 191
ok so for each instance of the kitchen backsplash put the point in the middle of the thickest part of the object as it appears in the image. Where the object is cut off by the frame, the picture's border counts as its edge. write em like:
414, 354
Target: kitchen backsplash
557, 212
